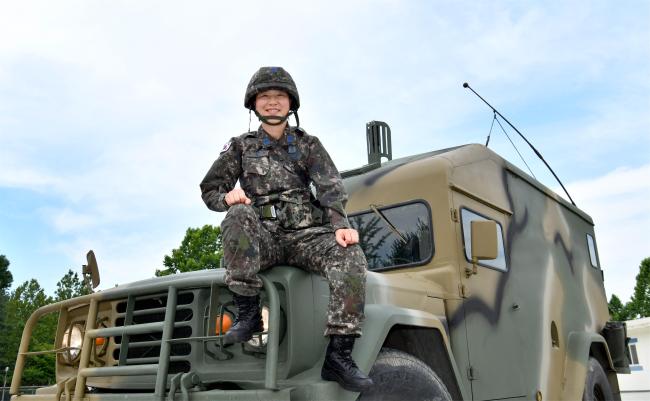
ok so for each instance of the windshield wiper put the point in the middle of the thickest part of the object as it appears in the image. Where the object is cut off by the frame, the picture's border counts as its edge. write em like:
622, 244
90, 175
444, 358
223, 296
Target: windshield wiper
390, 225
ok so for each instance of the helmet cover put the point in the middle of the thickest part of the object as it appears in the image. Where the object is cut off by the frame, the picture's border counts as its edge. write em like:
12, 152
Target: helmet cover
271, 78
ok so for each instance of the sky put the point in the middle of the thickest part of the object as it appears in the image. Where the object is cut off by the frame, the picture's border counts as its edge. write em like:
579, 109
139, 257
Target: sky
112, 112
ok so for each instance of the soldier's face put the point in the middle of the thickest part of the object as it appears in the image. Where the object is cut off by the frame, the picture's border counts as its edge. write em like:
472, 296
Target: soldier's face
272, 102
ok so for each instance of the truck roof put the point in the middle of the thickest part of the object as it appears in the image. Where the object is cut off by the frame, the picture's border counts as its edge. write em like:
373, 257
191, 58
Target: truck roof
457, 156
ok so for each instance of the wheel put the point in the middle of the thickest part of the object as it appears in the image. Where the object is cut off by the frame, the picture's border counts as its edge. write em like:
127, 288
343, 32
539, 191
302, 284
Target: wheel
597, 386
400, 376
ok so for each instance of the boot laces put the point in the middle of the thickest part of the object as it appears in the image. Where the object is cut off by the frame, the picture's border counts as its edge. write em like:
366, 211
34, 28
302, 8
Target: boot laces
346, 359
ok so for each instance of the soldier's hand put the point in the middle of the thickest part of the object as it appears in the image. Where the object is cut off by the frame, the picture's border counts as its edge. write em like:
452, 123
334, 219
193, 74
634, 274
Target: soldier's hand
346, 236
236, 196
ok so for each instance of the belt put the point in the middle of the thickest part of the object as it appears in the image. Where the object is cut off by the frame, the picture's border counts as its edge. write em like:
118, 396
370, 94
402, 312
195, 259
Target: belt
267, 212
290, 196
267, 206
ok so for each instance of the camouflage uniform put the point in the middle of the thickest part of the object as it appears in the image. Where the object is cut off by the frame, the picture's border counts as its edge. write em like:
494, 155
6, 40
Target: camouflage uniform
276, 176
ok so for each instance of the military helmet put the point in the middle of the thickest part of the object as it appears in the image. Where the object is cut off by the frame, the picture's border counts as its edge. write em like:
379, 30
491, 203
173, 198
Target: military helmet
271, 78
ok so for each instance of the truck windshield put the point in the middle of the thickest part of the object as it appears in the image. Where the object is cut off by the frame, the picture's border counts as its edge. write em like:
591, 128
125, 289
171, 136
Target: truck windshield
408, 242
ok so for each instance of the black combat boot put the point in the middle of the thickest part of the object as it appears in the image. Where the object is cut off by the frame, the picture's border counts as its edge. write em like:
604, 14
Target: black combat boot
248, 320
340, 367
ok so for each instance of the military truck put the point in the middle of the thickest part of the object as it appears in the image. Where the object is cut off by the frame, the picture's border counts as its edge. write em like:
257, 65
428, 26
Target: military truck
483, 284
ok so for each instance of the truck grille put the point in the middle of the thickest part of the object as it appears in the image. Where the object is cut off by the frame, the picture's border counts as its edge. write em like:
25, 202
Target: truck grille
141, 349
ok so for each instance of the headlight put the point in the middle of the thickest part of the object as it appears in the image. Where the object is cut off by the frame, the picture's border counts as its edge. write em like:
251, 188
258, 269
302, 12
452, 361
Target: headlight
72, 341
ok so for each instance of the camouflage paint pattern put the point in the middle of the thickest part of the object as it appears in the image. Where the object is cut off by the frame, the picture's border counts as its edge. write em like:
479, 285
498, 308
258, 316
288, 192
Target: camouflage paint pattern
511, 331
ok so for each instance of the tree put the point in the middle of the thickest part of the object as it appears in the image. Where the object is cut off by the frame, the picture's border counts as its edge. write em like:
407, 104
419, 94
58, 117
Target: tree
22, 302
372, 237
200, 249
640, 302
617, 310
5, 275
70, 286
5, 282
639, 305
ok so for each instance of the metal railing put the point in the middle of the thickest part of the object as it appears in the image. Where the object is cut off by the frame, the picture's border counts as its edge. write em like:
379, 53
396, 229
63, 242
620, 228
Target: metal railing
6, 396
161, 368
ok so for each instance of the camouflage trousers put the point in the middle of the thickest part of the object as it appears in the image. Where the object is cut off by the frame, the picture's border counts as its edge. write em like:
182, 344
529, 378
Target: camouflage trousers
251, 245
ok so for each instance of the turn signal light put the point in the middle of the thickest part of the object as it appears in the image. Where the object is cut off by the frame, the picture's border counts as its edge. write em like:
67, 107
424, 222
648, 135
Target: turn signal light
223, 323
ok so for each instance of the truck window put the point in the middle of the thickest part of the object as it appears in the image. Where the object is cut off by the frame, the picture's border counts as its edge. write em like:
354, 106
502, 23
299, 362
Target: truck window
634, 356
591, 245
409, 242
467, 216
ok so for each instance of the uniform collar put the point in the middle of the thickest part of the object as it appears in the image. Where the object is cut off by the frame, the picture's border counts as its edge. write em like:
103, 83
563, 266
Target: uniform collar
269, 141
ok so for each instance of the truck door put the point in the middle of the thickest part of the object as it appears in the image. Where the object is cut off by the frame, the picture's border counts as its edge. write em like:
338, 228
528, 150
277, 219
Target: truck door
493, 321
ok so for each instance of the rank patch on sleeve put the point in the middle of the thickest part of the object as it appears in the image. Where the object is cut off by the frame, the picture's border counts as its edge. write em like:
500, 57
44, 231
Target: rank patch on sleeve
226, 146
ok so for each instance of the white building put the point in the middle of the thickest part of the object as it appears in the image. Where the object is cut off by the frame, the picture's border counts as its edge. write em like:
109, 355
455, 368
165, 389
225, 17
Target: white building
636, 385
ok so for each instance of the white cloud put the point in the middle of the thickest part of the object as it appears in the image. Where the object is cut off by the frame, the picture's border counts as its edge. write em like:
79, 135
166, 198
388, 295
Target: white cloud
618, 204
18, 177
115, 111
67, 220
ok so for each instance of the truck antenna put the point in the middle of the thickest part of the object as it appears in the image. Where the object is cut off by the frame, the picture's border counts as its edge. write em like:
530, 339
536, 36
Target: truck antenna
496, 112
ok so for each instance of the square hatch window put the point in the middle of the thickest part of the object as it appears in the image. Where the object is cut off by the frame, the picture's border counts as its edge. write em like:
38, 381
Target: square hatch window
395, 236
591, 244
466, 217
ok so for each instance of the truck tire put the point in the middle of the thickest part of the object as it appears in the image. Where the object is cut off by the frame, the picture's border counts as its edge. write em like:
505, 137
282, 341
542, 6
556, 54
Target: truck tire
400, 376
597, 386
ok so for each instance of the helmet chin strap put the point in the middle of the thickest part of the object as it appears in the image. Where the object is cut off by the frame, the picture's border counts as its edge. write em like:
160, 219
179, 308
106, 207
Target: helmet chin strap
267, 119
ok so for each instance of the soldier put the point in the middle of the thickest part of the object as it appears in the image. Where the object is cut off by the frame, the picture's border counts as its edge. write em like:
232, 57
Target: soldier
275, 218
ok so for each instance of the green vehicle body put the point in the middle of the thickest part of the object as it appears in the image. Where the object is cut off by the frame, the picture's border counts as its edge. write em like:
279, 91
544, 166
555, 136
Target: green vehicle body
525, 329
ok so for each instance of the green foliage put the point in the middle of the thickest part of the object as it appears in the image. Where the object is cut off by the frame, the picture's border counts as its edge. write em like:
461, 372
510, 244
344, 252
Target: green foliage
5, 275
408, 251
40, 370
640, 303
6, 278
617, 310
5, 282
22, 302
70, 286
200, 249
19, 305
371, 239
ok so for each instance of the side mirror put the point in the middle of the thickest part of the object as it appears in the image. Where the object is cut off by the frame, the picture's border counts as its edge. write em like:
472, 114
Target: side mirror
91, 271
484, 240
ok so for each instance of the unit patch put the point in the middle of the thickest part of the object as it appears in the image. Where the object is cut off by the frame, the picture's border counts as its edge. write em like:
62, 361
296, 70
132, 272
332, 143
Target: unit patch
226, 146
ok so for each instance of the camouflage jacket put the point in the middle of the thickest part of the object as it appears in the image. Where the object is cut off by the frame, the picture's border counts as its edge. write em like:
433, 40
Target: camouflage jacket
284, 168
